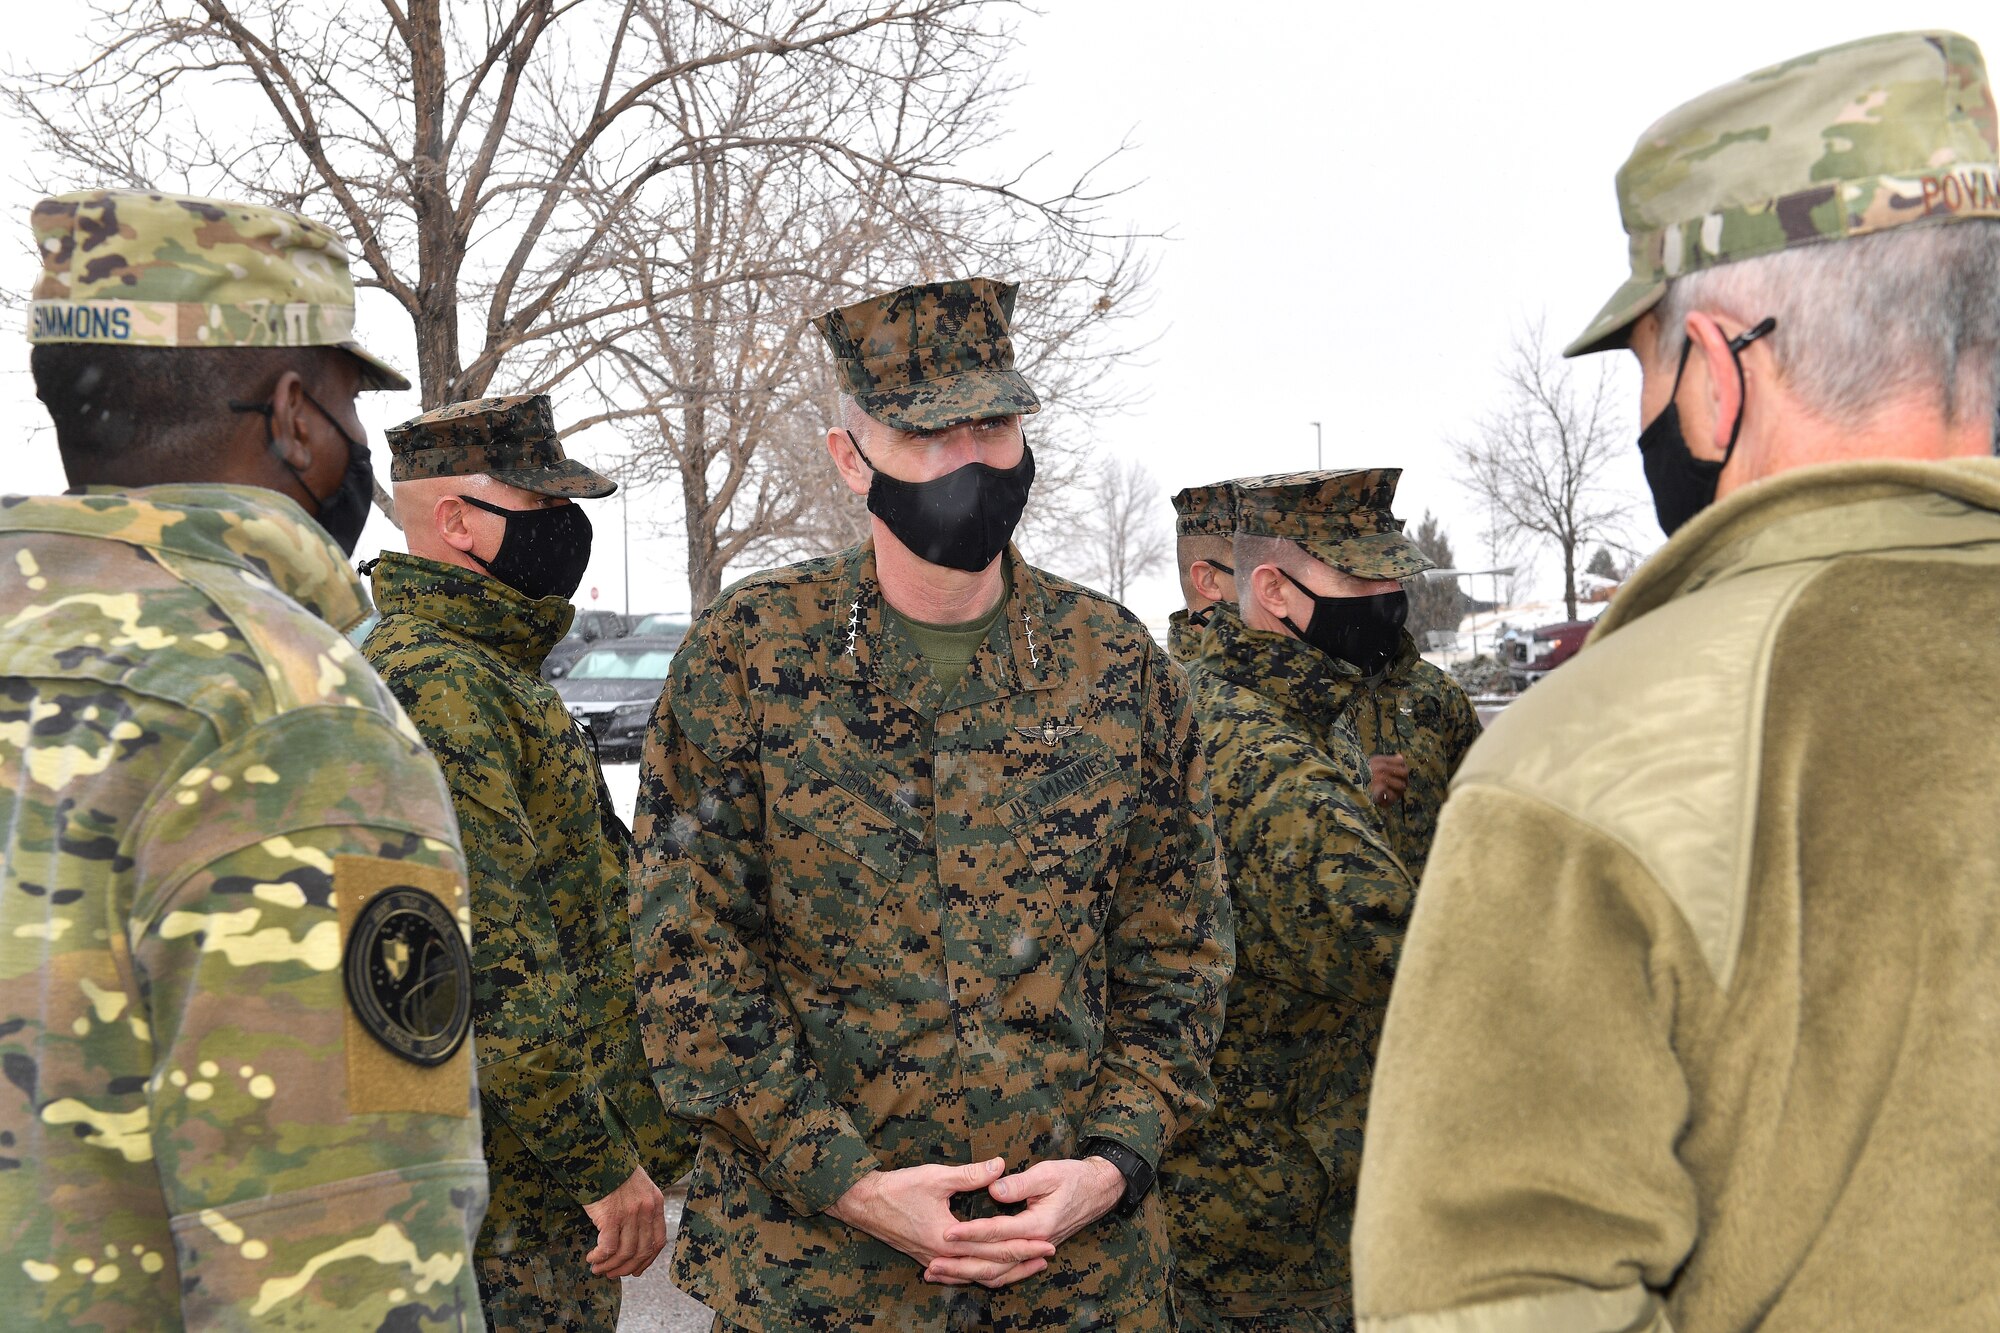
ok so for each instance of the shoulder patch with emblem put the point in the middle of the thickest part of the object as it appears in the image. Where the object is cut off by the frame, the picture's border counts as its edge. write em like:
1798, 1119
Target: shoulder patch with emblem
409, 975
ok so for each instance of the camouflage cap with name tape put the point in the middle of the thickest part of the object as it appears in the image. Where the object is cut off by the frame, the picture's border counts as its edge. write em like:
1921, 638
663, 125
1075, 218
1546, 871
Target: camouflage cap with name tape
136, 269
1342, 518
509, 436
1206, 511
1885, 132
932, 356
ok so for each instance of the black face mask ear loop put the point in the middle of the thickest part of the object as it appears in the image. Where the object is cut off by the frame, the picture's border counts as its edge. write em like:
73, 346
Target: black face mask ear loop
266, 411
1736, 346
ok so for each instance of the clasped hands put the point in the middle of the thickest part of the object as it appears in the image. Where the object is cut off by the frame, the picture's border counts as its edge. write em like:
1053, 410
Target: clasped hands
910, 1209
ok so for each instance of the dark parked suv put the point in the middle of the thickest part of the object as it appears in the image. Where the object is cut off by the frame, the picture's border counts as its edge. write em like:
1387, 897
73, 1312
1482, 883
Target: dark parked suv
590, 627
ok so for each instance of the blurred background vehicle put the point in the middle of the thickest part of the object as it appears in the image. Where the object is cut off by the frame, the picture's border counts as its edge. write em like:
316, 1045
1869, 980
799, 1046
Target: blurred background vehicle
660, 625
611, 689
590, 626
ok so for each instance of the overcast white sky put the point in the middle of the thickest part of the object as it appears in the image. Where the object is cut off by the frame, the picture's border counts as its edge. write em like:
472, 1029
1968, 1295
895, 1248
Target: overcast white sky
1365, 204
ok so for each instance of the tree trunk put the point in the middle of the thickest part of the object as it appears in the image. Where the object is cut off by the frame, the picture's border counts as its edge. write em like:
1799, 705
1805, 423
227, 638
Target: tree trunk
438, 247
1569, 578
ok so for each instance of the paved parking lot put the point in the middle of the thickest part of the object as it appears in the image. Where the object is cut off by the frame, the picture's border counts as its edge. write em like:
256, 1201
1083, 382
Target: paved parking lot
652, 1303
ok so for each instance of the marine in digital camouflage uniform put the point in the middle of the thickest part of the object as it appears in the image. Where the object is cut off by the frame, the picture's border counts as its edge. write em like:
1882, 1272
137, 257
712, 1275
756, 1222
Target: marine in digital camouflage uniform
233, 977
886, 923
1260, 1195
565, 1094
1204, 522
1413, 711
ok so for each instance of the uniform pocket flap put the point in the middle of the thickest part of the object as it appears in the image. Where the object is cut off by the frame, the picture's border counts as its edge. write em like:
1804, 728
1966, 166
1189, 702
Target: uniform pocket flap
1074, 809
816, 804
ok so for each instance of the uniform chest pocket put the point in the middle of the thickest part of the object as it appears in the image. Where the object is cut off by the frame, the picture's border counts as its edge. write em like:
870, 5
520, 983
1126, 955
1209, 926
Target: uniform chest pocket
1076, 841
1424, 714
829, 825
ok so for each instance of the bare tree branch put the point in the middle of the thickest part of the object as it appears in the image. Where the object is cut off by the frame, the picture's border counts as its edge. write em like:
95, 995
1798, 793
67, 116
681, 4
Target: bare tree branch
1537, 462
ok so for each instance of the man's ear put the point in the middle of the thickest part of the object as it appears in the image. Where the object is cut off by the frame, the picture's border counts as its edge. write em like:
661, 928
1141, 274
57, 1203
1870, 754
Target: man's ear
848, 459
1207, 581
1268, 587
1720, 400
449, 513
288, 421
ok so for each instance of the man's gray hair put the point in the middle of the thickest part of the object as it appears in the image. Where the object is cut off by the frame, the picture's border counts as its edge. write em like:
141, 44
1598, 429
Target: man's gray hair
1252, 549
1863, 322
852, 417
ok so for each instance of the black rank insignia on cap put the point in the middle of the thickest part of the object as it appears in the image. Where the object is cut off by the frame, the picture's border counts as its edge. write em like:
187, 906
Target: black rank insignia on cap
409, 975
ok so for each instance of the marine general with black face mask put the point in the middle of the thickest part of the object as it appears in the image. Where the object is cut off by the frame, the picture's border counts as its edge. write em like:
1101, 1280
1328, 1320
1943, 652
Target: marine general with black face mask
575, 1137
930, 935
1260, 1195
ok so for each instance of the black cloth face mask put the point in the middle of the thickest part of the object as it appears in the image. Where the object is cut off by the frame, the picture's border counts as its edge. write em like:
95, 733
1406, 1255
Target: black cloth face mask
1364, 632
962, 520
543, 552
344, 513
1683, 485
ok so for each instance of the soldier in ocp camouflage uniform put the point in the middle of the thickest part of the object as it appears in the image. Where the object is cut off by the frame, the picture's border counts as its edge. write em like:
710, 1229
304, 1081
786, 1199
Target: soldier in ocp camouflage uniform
1412, 719
929, 891
1260, 1195
234, 987
1204, 523
575, 1135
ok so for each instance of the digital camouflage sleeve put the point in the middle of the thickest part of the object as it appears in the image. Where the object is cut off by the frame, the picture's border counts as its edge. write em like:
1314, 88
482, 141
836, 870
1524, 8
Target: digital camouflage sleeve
1418, 711
206, 793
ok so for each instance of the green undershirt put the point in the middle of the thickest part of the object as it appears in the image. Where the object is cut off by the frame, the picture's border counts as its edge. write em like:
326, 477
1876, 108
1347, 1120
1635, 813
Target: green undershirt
946, 649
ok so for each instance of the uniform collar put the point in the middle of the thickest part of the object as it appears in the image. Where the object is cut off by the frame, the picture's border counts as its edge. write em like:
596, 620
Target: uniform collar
1021, 651
255, 530
472, 605
1399, 665
1288, 671
1883, 505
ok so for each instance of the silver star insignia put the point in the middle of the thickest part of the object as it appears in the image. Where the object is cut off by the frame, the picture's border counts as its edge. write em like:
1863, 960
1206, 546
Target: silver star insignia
1049, 732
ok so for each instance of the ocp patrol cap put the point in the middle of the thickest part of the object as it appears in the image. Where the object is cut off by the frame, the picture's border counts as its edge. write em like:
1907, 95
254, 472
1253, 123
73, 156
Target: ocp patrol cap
1342, 518
931, 356
130, 268
1889, 131
512, 437
1206, 511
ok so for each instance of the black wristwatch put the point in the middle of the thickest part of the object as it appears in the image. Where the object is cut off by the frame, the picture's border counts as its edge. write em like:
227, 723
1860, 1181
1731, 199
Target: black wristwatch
1137, 1172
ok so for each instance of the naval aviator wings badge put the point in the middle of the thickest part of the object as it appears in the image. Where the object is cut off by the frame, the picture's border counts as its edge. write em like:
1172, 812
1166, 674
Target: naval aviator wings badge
1049, 732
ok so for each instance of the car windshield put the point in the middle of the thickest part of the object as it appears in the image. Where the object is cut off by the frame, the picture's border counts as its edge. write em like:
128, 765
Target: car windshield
659, 624
623, 664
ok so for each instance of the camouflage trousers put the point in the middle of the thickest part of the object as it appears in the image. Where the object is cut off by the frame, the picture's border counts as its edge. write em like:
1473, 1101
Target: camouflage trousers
971, 1314
1195, 1314
541, 1281
546, 1290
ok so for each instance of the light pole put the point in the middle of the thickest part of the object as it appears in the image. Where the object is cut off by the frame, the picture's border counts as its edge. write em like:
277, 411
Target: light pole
1319, 447
625, 540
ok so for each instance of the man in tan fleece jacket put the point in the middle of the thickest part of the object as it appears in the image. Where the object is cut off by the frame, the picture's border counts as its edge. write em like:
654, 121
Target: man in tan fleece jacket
1698, 1022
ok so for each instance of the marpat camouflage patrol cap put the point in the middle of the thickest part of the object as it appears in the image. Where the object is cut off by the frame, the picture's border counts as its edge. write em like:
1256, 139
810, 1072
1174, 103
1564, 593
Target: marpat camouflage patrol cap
1879, 133
931, 356
1342, 518
1206, 511
134, 269
512, 437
